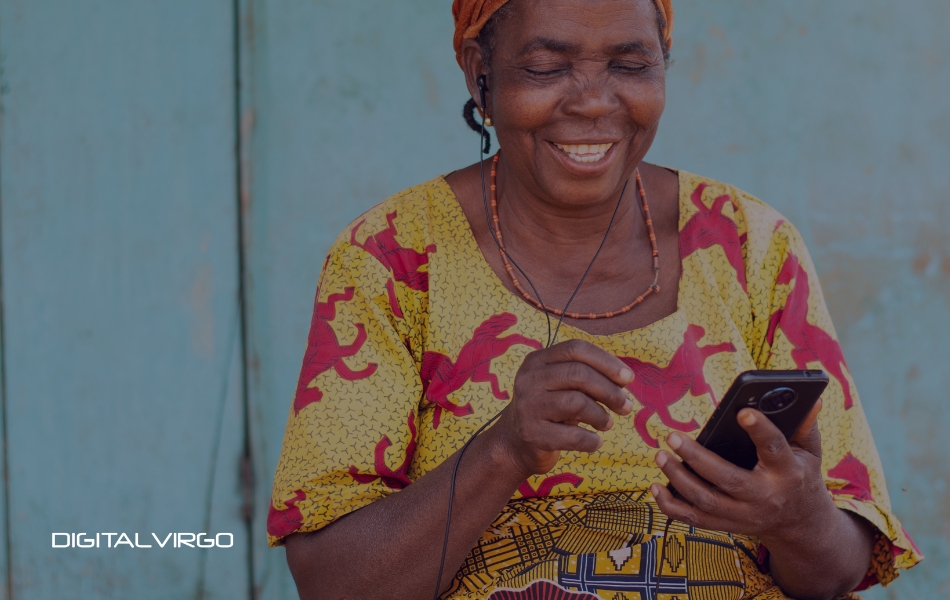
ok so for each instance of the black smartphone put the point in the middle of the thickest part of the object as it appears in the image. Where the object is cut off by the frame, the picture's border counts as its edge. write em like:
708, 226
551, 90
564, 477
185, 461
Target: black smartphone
785, 397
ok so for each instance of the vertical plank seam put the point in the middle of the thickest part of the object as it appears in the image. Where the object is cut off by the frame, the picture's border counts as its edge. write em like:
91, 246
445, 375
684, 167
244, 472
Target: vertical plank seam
240, 148
8, 580
215, 451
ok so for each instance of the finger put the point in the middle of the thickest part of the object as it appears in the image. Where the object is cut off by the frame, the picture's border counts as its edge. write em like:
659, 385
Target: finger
573, 407
731, 479
770, 443
808, 436
597, 358
561, 437
684, 512
584, 378
693, 489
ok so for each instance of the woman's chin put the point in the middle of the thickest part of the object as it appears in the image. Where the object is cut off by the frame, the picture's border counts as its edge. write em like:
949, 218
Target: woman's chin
577, 183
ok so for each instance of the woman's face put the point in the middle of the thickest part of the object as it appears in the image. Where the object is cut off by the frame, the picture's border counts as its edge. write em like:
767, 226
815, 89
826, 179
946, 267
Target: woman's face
576, 91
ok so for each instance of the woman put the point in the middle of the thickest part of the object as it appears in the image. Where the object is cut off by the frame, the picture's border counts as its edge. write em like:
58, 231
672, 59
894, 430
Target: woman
432, 316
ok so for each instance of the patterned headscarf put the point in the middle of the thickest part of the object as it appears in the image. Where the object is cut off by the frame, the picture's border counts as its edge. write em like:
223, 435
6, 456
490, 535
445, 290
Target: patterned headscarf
471, 16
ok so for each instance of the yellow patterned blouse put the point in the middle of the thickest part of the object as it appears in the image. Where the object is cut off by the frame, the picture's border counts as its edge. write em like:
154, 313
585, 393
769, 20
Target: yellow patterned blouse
415, 343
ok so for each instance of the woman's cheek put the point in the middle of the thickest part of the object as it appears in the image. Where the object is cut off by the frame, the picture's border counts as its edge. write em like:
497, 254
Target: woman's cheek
528, 107
647, 104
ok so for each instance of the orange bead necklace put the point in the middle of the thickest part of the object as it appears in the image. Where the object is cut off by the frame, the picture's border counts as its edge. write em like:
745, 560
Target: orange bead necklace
575, 315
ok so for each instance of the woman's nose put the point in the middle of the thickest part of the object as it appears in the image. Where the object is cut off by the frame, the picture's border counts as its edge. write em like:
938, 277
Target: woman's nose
592, 97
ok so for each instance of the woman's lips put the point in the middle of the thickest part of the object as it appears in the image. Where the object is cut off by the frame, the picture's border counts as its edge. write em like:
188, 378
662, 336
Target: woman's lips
585, 153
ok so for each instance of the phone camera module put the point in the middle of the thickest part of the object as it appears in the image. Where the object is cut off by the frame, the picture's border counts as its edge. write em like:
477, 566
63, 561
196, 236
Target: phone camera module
777, 400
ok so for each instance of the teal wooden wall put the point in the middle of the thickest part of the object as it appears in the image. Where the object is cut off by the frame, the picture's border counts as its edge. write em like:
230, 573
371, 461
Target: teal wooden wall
172, 174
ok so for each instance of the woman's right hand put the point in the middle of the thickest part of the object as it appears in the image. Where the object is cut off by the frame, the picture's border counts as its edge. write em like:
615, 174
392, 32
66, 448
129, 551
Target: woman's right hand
556, 390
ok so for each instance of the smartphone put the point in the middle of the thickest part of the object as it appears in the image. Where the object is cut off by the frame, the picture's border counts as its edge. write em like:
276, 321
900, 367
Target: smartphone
785, 397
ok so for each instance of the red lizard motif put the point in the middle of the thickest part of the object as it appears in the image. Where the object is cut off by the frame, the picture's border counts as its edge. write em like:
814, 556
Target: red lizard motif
811, 343
856, 474
709, 227
548, 484
288, 520
658, 388
325, 352
441, 377
393, 479
403, 263
393, 301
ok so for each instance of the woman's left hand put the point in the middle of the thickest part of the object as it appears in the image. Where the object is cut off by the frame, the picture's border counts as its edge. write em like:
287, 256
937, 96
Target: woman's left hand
783, 498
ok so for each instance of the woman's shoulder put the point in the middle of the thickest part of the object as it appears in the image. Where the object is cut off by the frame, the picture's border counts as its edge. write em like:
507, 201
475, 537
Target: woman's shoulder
400, 223
758, 226
756, 212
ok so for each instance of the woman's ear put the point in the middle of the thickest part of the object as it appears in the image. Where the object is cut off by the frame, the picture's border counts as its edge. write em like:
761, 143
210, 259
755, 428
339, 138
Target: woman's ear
475, 69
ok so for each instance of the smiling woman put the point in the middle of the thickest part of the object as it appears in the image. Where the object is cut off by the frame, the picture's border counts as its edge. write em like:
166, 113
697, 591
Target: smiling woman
433, 323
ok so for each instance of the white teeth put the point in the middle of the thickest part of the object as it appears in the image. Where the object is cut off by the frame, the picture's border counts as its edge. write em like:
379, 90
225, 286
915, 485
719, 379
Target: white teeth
585, 153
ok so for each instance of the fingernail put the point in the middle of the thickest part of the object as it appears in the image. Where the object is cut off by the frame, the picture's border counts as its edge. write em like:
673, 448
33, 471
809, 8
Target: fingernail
674, 441
626, 374
627, 406
610, 422
748, 417
654, 490
661, 459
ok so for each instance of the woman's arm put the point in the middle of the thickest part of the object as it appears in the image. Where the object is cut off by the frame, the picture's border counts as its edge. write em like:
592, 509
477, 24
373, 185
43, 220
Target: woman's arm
391, 548
816, 551
825, 558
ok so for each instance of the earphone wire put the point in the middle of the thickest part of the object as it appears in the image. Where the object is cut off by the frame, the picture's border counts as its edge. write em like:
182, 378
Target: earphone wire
591, 265
551, 339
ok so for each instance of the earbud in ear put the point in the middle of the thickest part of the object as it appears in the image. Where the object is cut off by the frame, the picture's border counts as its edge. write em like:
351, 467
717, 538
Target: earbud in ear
482, 83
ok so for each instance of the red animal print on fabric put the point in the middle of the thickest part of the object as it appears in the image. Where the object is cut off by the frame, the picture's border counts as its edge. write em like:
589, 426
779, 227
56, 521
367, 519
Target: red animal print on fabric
394, 479
393, 301
325, 352
441, 376
856, 474
541, 590
548, 484
403, 263
709, 227
658, 388
288, 520
812, 343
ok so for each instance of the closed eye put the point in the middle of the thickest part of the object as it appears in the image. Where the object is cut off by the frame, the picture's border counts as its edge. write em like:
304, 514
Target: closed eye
545, 72
629, 68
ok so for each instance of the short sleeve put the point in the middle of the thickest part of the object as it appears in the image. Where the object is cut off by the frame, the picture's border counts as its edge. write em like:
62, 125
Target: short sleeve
351, 431
794, 331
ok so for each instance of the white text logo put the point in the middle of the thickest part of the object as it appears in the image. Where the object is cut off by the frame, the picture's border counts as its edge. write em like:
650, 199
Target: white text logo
172, 540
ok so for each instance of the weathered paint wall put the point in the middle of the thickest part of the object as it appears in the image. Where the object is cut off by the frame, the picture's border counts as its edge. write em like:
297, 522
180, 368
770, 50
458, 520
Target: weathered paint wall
121, 344
119, 235
837, 114
351, 101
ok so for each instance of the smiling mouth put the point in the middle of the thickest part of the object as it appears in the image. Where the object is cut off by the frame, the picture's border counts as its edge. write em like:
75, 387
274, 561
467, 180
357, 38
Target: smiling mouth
585, 153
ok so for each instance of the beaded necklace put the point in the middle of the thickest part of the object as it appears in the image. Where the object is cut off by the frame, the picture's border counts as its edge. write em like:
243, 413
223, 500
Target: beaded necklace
555, 311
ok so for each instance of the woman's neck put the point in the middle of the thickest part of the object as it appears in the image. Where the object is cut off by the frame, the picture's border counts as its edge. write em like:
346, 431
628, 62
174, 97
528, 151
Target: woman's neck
554, 245
564, 237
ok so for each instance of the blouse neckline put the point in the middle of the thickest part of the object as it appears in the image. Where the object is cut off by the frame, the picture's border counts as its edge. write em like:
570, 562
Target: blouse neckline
468, 238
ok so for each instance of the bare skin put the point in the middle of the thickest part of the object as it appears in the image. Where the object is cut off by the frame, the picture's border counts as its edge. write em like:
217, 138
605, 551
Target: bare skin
581, 72
394, 544
816, 550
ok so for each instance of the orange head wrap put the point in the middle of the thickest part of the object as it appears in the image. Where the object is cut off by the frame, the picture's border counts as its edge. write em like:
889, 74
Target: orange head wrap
471, 16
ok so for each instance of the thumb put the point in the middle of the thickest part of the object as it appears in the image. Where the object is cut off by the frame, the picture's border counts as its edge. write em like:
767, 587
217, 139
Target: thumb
807, 436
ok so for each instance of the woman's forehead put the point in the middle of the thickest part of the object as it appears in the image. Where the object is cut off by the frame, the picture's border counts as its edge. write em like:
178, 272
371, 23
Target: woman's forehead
570, 26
